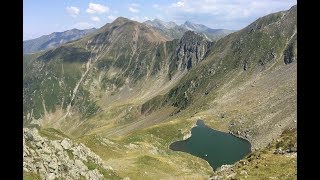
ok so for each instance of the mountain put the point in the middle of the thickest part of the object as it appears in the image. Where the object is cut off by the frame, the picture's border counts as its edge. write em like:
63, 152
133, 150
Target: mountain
161, 24
54, 39
127, 91
174, 31
169, 29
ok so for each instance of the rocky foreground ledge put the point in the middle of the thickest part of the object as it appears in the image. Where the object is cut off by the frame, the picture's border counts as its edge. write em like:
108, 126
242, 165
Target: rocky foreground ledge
61, 159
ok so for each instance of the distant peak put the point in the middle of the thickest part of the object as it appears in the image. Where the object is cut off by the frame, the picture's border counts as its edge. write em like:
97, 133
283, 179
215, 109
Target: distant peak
121, 19
188, 22
157, 20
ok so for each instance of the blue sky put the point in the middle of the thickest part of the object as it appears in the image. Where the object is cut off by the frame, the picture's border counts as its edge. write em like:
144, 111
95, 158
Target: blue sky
42, 17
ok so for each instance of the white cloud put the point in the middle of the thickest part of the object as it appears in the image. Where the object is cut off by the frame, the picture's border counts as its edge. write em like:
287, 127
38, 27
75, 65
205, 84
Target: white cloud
134, 10
178, 4
73, 11
236, 13
83, 25
112, 17
140, 18
95, 18
97, 8
233, 9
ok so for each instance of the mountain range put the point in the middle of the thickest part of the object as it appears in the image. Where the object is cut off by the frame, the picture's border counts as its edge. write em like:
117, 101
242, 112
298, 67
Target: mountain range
54, 39
174, 31
128, 90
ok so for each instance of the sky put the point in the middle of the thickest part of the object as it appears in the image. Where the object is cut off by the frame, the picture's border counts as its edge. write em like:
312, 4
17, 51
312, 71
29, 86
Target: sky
42, 17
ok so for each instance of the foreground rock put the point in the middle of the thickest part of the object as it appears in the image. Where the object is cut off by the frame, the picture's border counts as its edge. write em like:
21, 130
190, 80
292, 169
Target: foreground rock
61, 159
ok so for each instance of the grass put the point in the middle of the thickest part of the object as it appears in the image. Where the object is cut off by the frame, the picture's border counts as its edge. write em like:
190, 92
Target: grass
31, 176
264, 164
52, 134
70, 153
108, 174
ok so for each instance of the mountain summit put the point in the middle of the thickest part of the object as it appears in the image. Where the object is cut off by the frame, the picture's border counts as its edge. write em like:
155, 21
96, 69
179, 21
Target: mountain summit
174, 31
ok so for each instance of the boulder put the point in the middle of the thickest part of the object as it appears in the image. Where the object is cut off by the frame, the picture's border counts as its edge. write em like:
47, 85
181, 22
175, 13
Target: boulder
53, 165
79, 164
66, 143
94, 174
56, 145
50, 176
243, 172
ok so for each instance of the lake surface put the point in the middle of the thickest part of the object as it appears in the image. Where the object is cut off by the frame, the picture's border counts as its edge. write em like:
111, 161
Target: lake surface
217, 148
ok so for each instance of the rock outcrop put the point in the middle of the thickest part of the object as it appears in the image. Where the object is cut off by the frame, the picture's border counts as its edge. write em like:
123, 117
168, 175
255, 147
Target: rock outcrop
191, 50
64, 159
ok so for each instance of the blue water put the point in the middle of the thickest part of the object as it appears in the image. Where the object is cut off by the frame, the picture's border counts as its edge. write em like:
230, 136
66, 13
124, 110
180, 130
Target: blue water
217, 148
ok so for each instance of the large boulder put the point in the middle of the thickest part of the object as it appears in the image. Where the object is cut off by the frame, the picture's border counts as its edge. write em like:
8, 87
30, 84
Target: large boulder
66, 143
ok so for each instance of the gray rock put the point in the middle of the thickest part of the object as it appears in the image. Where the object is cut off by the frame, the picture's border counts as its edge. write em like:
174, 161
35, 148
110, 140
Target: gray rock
50, 159
50, 176
243, 172
39, 145
216, 177
80, 152
93, 175
80, 165
66, 143
53, 165
56, 145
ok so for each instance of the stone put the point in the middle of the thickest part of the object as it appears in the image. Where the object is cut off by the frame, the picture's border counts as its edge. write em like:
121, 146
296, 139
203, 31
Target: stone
94, 174
50, 159
80, 165
53, 164
292, 149
80, 152
47, 150
216, 177
66, 143
56, 145
39, 145
243, 172
279, 151
50, 176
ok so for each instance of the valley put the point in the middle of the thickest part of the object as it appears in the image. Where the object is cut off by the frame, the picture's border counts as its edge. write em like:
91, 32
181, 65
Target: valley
127, 91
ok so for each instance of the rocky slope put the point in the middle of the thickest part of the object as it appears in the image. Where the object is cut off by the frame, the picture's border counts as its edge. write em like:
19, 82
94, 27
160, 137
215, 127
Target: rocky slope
62, 159
54, 40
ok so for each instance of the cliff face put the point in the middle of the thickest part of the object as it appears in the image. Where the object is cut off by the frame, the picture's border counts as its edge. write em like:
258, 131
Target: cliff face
191, 50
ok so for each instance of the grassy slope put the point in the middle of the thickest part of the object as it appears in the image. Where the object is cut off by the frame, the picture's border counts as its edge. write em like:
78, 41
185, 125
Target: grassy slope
249, 100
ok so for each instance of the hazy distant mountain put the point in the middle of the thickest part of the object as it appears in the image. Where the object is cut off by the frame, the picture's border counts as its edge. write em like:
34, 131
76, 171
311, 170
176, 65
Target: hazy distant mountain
54, 39
174, 31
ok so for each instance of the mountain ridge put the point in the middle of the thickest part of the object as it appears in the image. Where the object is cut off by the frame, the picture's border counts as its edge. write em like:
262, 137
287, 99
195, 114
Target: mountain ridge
54, 39
174, 31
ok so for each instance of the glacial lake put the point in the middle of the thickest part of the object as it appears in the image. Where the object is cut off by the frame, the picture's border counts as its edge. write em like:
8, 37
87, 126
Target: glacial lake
217, 148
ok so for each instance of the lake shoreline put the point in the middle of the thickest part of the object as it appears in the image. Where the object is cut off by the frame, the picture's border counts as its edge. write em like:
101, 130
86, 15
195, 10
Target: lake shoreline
217, 148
